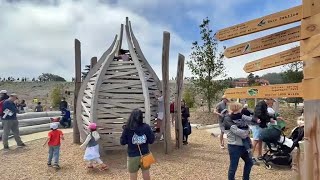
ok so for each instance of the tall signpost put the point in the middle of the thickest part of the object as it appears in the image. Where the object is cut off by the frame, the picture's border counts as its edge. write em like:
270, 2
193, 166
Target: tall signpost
308, 163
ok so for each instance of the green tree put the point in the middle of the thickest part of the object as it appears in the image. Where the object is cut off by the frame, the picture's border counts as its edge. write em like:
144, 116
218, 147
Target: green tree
189, 97
251, 79
50, 77
56, 95
206, 64
293, 73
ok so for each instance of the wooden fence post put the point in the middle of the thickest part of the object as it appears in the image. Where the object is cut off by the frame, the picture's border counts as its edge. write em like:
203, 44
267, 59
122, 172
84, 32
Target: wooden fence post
166, 91
93, 62
177, 104
77, 50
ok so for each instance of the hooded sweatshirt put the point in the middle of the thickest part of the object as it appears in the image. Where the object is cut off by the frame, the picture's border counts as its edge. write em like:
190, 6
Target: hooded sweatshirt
141, 135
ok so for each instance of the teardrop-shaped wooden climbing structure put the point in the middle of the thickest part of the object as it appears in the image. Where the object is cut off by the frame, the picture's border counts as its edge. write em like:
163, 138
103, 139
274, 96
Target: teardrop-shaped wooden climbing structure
114, 87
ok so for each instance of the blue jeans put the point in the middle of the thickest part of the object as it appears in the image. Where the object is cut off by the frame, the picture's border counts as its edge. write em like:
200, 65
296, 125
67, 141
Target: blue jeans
235, 153
54, 152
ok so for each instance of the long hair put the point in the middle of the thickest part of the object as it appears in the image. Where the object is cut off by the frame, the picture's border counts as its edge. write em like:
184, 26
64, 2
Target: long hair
135, 120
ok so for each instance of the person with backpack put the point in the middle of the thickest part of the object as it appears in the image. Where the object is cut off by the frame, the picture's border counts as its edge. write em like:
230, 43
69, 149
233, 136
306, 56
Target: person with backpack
137, 135
261, 112
10, 121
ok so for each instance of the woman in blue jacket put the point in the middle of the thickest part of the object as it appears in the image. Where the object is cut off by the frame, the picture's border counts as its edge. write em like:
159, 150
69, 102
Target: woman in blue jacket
135, 133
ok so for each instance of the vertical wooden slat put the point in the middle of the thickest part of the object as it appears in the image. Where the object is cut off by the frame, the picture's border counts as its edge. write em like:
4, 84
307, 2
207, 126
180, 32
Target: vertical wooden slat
310, 168
77, 50
93, 62
166, 91
177, 106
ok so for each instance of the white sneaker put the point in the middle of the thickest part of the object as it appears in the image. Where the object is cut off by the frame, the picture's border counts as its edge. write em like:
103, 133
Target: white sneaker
161, 138
222, 146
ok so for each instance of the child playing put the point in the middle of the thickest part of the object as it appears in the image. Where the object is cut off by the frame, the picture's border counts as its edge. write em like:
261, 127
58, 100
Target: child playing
242, 123
53, 141
92, 155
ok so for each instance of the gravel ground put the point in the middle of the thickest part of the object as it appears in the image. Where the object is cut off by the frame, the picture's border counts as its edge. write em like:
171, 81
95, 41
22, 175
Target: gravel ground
201, 159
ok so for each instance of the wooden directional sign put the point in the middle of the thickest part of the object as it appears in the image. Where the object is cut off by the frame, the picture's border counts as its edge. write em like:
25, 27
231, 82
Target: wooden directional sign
271, 91
285, 57
273, 40
274, 20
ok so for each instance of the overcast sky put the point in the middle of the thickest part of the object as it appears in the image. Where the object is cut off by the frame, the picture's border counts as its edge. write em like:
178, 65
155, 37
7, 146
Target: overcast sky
38, 35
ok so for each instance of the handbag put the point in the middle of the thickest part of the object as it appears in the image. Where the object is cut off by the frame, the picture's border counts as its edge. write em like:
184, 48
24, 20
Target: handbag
146, 160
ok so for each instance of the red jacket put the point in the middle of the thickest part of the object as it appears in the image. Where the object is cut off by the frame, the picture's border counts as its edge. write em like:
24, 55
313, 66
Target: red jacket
172, 107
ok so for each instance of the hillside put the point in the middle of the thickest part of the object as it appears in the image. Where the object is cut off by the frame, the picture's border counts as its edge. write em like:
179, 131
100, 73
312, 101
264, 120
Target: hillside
42, 91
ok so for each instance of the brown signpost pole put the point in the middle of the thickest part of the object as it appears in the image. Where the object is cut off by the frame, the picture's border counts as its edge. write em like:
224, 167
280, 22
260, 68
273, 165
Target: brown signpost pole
177, 104
77, 50
166, 92
310, 54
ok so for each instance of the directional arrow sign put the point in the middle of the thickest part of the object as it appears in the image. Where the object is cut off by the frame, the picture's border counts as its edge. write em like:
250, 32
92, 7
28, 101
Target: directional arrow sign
274, 20
285, 57
273, 40
271, 91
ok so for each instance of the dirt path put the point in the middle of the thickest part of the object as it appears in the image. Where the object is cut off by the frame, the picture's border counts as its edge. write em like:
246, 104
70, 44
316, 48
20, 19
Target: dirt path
201, 159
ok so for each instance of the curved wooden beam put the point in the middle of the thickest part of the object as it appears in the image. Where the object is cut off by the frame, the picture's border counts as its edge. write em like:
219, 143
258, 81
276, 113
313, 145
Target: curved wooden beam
145, 90
84, 86
143, 59
99, 80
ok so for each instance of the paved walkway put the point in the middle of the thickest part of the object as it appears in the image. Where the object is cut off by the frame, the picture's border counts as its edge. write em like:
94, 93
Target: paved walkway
32, 137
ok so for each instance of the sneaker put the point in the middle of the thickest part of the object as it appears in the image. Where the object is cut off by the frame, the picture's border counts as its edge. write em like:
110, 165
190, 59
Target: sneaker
49, 164
56, 166
222, 147
255, 162
22, 145
6, 148
260, 158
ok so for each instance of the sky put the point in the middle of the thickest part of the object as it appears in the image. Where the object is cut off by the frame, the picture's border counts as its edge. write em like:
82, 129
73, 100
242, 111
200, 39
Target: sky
37, 36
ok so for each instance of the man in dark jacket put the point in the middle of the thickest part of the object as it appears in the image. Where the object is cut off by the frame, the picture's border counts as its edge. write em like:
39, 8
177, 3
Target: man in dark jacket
10, 122
63, 104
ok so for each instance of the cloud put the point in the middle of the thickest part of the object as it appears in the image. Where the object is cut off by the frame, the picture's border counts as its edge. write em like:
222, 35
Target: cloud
38, 35
39, 38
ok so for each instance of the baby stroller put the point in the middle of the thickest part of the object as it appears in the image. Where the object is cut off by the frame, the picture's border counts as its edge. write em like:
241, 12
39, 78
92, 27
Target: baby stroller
279, 146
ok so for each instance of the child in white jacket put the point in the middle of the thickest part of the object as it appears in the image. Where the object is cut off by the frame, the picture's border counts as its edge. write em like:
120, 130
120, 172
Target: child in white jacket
92, 155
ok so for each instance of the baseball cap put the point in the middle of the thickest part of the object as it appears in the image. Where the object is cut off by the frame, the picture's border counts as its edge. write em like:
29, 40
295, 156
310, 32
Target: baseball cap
3, 91
225, 97
54, 126
13, 95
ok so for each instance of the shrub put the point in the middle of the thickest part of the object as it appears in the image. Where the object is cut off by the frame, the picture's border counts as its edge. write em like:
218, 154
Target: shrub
56, 96
189, 97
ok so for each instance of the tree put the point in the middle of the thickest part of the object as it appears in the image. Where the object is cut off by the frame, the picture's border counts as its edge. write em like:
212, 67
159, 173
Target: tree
50, 77
293, 73
251, 79
206, 64
273, 78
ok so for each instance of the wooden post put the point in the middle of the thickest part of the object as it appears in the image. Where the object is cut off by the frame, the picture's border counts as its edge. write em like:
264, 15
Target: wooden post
77, 50
310, 26
177, 104
93, 62
166, 91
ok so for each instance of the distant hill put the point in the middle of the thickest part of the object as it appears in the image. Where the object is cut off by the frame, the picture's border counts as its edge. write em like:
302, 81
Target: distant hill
273, 78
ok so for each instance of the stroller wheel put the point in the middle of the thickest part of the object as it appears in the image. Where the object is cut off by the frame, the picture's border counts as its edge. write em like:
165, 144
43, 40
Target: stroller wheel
268, 166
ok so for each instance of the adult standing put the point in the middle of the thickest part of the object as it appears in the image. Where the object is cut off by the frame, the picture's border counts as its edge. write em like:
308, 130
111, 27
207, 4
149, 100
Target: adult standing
10, 122
160, 118
219, 108
237, 149
185, 121
172, 112
246, 111
137, 135
261, 112
63, 104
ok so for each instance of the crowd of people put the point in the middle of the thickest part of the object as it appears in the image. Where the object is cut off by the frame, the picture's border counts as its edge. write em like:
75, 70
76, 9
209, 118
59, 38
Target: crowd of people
235, 120
239, 123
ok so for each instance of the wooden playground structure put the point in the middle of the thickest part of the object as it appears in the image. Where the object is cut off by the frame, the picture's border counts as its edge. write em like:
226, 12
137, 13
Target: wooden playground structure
306, 159
114, 87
